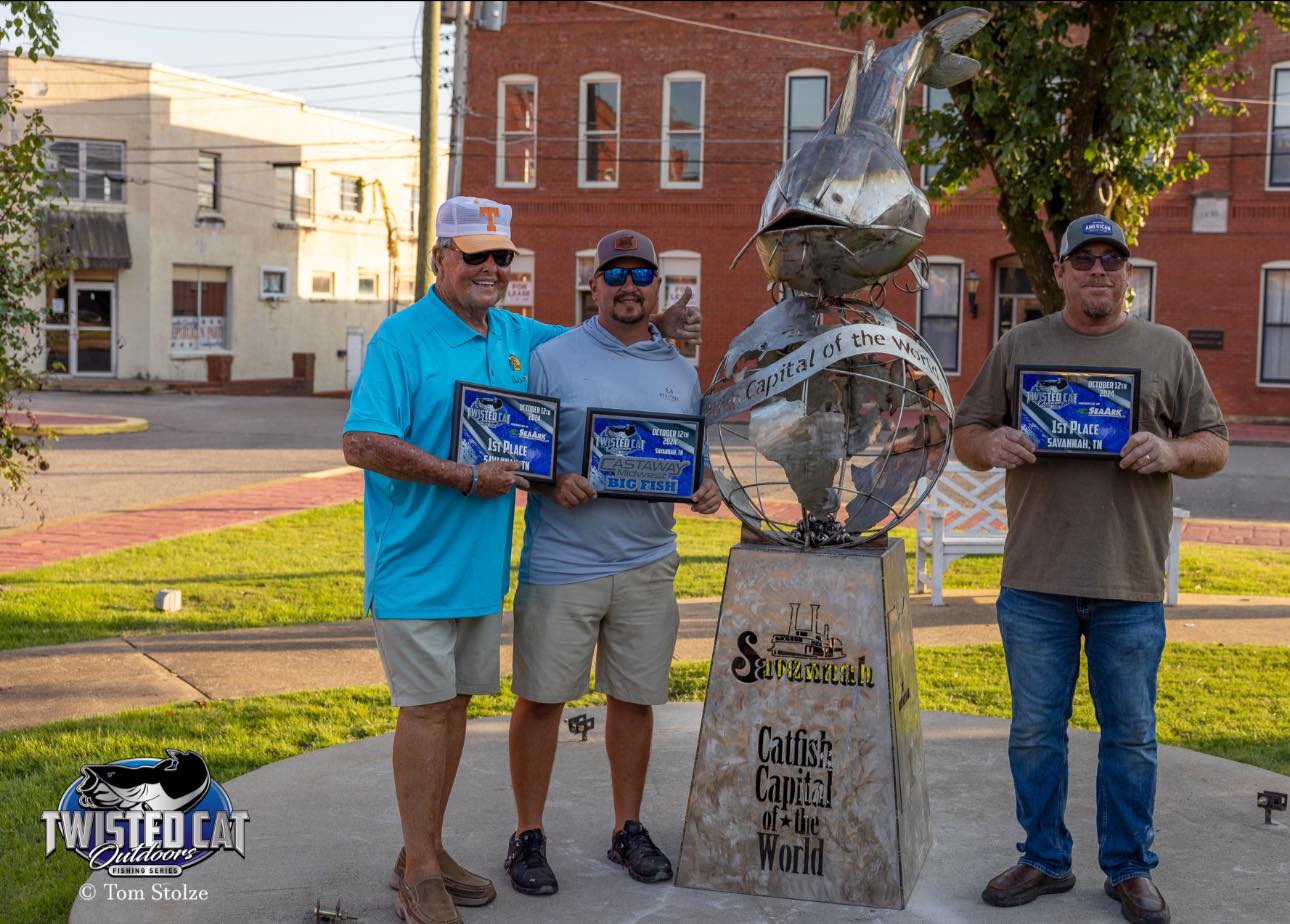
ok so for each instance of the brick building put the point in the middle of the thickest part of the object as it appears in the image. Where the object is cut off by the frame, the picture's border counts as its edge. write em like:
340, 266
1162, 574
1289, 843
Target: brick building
566, 123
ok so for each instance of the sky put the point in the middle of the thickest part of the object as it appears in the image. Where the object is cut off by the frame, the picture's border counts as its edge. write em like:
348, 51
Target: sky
357, 58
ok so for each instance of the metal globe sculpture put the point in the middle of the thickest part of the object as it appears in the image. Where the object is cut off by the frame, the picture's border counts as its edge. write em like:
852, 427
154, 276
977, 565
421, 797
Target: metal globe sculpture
827, 422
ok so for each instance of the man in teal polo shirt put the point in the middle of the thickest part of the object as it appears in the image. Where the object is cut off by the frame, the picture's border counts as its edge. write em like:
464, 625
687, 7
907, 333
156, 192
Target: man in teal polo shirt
437, 534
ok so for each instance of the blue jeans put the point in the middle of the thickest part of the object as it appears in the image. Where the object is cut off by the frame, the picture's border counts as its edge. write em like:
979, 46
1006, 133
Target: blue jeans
1123, 641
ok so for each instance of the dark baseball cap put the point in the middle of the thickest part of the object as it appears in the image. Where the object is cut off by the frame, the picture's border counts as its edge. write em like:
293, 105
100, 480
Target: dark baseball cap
1092, 229
625, 243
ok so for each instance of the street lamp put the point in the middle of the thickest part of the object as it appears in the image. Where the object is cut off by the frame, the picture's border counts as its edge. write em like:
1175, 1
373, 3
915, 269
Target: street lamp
973, 283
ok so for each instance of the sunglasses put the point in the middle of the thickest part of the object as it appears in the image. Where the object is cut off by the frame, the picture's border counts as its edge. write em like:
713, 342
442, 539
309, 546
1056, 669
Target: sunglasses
617, 275
502, 258
1084, 261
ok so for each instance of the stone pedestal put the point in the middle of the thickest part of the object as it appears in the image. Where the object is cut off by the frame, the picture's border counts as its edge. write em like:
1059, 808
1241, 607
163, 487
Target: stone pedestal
808, 780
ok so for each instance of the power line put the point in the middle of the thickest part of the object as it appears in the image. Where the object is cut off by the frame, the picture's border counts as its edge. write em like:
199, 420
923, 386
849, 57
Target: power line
635, 11
310, 57
321, 67
284, 35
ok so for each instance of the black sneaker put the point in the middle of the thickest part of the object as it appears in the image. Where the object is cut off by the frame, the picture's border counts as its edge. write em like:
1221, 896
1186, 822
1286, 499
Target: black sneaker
632, 848
526, 864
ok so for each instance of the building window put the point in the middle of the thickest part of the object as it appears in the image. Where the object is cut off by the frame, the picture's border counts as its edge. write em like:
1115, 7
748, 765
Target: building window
806, 103
323, 284
1279, 128
584, 307
517, 131
682, 130
293, 193
89, 171
199, 308
369, 285
1016, 301
1142, 283
519, 293
414, 205
273, 282
208, 181
939, 311
598, 111
407, 290
351, 194
934, 98
1274, 338
680, 268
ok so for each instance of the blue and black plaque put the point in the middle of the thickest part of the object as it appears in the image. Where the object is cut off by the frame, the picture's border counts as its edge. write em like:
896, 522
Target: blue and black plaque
1076, 411
654, 457
494, 425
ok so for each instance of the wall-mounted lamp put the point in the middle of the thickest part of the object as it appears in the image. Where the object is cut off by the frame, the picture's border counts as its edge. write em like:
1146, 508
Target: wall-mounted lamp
973, 283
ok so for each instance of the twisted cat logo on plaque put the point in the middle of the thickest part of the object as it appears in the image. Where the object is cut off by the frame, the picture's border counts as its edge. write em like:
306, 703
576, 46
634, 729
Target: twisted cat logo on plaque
495, 425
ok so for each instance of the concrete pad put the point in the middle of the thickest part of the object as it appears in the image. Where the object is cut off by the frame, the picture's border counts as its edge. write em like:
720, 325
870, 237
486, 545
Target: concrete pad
323, 826
237, 663
39, 685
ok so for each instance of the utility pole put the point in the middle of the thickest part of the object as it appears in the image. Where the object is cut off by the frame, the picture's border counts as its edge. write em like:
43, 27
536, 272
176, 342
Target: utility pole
429, 132
460, 36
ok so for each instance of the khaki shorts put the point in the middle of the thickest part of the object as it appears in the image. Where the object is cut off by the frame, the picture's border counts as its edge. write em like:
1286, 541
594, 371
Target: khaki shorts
630, 619
432, 660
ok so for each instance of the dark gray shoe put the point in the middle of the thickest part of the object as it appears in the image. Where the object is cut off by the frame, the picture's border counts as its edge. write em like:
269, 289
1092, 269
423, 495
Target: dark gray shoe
631, 847
526, 864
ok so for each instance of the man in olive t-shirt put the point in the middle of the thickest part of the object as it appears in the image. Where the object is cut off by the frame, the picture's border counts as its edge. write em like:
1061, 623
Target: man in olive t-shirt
1085, 557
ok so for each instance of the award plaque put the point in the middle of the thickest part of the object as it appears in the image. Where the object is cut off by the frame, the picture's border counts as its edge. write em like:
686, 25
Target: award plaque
1076, 411
656, 457
493, 425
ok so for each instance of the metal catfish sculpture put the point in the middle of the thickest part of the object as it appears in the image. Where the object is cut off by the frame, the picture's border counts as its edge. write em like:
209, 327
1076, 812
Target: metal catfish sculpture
843, 212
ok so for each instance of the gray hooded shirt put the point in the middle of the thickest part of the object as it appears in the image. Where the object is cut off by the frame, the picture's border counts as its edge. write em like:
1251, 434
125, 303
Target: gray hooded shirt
590, 367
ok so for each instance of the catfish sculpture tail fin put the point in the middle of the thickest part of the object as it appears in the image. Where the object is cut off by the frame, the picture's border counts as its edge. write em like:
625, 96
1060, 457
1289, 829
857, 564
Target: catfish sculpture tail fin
944, 68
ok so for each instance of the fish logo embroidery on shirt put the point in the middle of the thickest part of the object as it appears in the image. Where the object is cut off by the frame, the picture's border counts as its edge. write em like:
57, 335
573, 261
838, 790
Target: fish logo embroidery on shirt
515, 362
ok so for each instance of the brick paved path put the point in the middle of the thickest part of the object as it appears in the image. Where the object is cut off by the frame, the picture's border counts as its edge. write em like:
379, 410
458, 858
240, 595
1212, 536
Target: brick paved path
30, 547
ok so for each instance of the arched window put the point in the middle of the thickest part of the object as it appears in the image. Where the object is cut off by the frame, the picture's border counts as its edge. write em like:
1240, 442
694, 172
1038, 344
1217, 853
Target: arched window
680, 268
599, 117
1279, 127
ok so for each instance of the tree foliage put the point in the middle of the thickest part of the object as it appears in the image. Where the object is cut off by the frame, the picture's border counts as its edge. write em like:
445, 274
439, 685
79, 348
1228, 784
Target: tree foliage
1078, 106
27, 195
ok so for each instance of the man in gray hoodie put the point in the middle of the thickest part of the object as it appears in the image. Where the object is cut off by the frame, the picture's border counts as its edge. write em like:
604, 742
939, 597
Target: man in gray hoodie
598, 571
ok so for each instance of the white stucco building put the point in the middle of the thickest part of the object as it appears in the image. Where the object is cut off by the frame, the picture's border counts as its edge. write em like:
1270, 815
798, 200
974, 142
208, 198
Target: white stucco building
214, 219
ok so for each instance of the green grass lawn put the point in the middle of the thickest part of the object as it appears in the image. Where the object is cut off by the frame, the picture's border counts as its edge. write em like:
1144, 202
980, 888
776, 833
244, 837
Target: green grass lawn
308, 567
1231, 701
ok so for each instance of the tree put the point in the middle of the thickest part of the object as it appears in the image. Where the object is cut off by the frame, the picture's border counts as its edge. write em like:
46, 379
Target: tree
27, 195
1077, 109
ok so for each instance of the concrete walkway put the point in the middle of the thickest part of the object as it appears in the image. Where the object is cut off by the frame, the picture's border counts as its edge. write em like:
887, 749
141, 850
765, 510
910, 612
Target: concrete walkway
39, 685
322, 826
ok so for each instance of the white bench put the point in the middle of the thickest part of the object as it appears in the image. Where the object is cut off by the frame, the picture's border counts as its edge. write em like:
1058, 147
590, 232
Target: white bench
965, 514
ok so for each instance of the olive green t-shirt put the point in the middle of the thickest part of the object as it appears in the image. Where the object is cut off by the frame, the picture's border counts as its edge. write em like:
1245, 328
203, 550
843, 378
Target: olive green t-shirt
1085, 527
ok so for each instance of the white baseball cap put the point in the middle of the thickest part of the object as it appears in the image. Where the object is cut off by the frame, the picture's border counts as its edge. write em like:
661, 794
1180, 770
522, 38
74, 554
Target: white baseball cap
475, 224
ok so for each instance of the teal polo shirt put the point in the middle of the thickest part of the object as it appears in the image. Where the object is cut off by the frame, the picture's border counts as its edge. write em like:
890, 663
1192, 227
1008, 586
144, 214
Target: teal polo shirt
429, 551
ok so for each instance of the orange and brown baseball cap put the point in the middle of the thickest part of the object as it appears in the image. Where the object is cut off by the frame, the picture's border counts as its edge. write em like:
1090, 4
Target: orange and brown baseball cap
475, 224
625, 243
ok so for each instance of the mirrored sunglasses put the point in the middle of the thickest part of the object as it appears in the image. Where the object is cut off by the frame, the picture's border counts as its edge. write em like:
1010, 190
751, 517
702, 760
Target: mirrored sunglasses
617, 275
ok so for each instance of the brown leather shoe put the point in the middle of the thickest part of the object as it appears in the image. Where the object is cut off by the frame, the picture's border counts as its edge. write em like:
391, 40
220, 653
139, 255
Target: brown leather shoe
428, 902
1140, 900
1020, 884
466, 888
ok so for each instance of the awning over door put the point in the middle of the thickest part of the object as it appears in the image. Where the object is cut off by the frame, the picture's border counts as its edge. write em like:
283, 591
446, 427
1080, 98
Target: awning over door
95, 240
